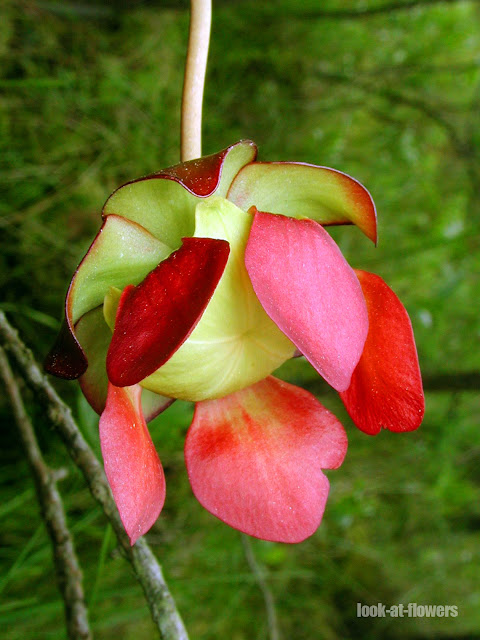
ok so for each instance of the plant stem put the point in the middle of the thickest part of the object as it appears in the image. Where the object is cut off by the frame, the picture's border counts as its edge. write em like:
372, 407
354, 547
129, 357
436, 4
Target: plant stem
147, 569
194, 82
273, 628
68, 570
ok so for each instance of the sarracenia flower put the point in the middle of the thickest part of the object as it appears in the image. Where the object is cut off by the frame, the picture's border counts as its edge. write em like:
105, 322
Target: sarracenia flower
203, 280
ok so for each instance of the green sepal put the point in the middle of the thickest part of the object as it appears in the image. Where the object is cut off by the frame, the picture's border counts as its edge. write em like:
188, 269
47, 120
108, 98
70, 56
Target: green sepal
164, 202
299, 190
122, 253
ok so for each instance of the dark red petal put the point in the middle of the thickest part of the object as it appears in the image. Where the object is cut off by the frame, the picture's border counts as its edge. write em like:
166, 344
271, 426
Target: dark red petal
66, 359
308, 289
254, 459
133, 468
95, 336
157, 316
202, 176
386, 388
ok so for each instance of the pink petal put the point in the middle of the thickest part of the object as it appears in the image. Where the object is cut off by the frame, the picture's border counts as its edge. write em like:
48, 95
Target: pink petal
386, 388
254, 459
133, 468
157, 316
308, 289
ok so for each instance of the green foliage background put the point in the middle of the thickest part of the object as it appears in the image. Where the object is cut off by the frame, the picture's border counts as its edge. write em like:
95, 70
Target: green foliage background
89, 98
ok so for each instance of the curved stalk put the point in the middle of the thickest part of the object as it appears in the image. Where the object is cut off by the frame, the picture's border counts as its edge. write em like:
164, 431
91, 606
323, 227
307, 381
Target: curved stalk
194, 82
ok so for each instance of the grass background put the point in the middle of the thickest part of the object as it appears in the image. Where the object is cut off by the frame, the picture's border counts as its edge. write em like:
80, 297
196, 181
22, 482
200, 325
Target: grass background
89, 98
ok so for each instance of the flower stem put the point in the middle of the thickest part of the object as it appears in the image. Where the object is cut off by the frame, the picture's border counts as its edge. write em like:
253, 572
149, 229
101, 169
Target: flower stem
194, 82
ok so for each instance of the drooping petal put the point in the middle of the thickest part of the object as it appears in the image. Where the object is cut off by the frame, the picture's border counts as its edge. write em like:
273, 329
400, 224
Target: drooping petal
386, 388
95, 336
156, 317
308, 289
66, 359
235, 344
132, 466
254, 459
164, 202
304, 190
122, 253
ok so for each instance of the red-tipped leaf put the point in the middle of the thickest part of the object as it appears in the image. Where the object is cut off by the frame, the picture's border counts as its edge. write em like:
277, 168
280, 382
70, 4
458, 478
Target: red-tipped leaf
132, 466
386, 389
202, 176
308, 289
254, 459
165, 202
304, 190
155, 318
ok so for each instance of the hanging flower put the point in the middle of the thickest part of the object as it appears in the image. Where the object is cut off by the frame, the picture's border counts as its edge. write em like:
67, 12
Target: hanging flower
204, 279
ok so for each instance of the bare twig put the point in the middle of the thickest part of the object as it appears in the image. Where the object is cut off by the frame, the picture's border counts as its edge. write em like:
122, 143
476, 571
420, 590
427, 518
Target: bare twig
69, 574
468, 381
273, 629
194, 82
378, 9
146, 566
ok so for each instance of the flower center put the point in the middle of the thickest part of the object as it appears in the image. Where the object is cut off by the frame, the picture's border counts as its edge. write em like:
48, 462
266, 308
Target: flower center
235, 344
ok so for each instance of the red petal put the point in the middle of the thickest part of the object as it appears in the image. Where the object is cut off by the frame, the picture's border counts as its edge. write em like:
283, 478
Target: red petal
308, 289
133, 468
157, 316
254, 459
95, 335
386, 388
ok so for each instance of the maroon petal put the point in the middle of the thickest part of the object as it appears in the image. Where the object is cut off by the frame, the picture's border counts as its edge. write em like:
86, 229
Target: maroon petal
66, 359
95, 336
308, 289
254, 459
132, 466
157, 316
386, 388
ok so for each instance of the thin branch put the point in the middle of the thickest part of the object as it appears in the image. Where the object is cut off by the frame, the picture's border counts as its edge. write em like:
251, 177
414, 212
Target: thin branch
194, 82
366, 12
146, 566
69, 574
273, 629
468, 381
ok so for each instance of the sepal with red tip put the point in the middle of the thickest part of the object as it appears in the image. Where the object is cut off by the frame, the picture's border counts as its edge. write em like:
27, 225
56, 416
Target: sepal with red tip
164, 202
303, 190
